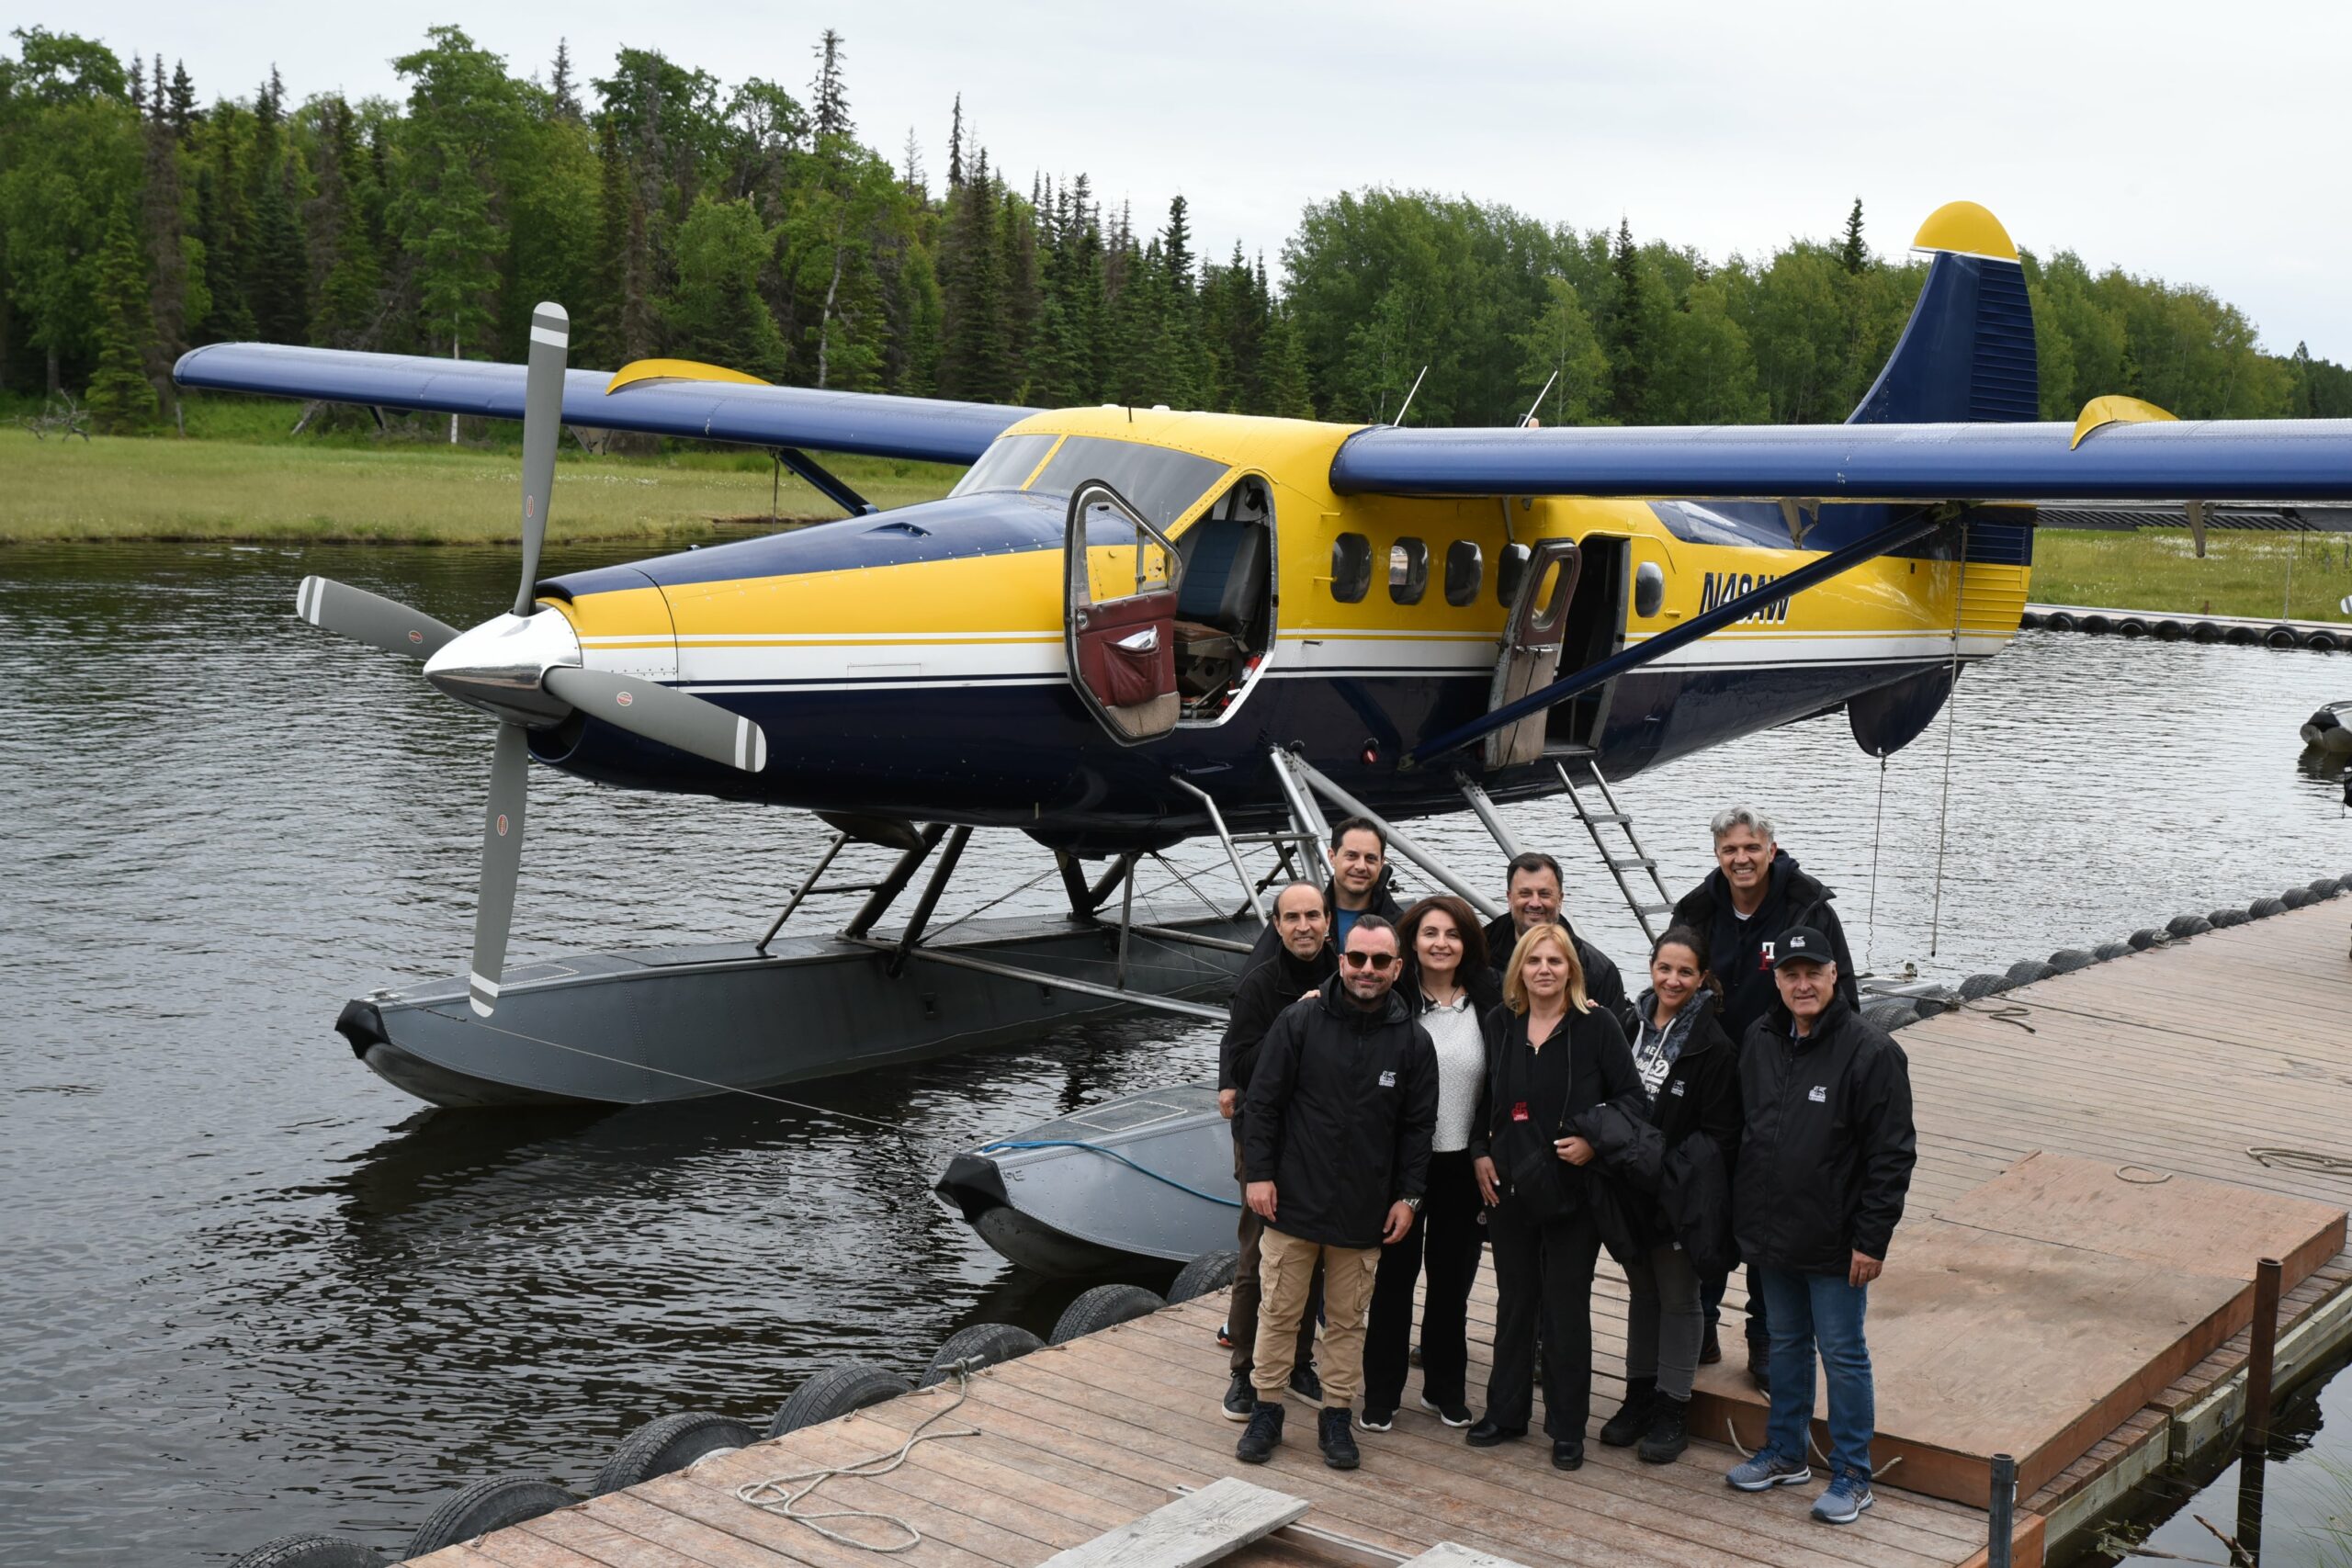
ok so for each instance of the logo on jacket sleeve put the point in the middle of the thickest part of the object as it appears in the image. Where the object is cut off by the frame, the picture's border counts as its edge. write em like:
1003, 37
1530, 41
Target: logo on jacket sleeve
1388, 1078
1819, 1094
1679, 1085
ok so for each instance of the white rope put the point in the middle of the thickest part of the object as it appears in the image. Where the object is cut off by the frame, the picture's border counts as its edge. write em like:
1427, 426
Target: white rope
775, 1493
1878, 834
1951, 717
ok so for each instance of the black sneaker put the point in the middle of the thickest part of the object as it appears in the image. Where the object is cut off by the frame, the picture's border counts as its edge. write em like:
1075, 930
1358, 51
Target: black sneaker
1241, 1399
1486, 1434
1306, 1387
1338, 1443
1759, 1365
1633, 1418
1262, 1436
1452, 1414
1376, 1420
1225, 1337
1670, 1430
1711, 1348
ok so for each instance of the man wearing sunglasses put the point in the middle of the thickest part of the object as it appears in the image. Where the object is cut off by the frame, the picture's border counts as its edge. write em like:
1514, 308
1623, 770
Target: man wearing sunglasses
1336, 1130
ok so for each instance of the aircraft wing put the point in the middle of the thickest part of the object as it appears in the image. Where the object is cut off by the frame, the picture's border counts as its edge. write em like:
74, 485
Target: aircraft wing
2308, 459
864, 423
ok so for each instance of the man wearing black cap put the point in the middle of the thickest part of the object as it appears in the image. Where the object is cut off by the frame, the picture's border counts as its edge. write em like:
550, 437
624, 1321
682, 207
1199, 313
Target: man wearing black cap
1825, 1161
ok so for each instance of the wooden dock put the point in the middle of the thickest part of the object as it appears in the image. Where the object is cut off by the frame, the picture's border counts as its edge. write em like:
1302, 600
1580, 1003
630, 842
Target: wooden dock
2226, 1058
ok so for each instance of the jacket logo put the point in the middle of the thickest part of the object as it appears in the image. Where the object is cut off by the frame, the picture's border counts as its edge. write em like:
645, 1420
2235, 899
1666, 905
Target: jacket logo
1764, 955
1679, 1085
1820, 1094
1388, 1079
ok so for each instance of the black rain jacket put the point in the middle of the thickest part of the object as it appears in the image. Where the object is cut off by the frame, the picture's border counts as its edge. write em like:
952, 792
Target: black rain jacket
1342, 1108
1603, 987
1600, 1071
1674, 1167
1384, 904
1738, 950
1828, 1146
1260, 997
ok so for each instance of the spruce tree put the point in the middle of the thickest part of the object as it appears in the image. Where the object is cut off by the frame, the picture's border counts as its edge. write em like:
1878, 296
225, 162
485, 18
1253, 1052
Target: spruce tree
121, 398
832, 93
1287, 395
1176, 246
182, 113
277, 267
224, 227
955, 145
1629, 339
163, 220
1852, 254
563, 100
345, 252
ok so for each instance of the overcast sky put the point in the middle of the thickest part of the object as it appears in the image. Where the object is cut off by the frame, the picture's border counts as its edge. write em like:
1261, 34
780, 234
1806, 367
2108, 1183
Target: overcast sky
2207, 142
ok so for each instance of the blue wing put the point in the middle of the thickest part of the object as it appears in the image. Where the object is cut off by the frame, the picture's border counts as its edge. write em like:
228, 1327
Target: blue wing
863, 423
2304, 459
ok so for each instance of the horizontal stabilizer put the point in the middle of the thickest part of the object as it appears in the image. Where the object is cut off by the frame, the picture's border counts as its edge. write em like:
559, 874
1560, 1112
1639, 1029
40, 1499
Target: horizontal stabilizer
864, 423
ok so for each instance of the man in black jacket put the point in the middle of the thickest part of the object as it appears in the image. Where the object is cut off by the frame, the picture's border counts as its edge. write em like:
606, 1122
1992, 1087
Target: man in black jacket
1359, 885
1825, 1163
1755, 893
1302, 962
1533, 889
1336, 1134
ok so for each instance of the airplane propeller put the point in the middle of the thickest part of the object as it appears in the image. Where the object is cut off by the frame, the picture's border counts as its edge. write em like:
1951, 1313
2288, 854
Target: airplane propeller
524, 669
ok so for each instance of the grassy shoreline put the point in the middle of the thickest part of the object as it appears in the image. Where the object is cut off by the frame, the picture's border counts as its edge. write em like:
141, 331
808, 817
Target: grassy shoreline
241, 481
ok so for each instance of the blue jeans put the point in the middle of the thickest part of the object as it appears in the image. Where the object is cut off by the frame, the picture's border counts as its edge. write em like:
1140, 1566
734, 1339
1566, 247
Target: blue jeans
1805, 1309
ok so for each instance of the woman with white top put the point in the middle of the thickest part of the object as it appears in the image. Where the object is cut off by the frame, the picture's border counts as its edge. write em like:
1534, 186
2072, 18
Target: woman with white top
1450, 986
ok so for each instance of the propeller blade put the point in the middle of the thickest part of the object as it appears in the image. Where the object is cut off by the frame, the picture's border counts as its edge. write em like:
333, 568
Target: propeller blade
654, 711
370, 618
542, 429
501, 862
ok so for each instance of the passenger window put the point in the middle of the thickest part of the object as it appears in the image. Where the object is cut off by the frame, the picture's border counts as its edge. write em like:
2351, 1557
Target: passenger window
1508, 571
1463, 568
1408, 570
1351, 568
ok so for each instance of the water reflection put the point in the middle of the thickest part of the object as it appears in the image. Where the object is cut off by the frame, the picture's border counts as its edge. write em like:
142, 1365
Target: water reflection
253, 1288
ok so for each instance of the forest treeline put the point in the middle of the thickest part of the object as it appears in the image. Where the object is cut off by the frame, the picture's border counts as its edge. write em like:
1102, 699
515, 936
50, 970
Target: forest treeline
753, 226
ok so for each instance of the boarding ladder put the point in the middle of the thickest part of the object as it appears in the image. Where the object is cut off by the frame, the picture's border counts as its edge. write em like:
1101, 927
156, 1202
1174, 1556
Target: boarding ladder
1628, 869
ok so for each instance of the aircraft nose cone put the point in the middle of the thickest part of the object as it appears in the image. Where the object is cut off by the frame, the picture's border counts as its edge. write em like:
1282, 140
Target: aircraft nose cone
501, 666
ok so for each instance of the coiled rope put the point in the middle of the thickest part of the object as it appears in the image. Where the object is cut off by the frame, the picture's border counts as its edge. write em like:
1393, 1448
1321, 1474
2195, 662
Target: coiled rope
783, 1494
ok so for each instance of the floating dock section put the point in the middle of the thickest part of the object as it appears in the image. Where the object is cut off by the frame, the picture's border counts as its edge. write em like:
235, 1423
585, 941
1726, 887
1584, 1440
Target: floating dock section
2103, 1158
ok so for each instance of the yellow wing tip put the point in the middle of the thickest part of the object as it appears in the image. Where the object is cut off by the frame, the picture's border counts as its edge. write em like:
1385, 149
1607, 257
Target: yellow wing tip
1965, 227
653, 372
2113, 409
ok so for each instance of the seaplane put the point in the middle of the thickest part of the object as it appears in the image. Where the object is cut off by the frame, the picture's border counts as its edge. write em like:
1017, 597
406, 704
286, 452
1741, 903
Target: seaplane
1128, 628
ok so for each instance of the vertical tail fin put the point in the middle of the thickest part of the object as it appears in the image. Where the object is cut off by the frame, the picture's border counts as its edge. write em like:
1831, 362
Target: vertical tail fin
1967, 355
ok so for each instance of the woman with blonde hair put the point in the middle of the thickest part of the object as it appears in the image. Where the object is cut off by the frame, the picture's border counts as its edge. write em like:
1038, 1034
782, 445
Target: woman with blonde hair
1551, 1055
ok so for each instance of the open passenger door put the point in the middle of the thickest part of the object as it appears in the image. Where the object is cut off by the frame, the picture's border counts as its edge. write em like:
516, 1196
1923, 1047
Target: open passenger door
1531, 646
1123, 649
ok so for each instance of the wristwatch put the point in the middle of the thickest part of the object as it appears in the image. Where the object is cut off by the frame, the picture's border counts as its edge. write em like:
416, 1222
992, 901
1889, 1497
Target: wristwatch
1412, 1203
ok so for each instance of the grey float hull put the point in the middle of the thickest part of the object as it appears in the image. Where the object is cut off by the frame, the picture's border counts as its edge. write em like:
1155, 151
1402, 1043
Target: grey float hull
682, 1024
1154, 1183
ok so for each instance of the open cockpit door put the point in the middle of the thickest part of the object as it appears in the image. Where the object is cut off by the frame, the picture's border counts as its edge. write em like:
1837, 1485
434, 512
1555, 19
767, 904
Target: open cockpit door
1121, 641
1531, 646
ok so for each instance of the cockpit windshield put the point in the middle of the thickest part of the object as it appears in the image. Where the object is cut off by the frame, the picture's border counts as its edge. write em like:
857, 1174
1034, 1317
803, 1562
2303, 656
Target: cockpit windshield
1162, 484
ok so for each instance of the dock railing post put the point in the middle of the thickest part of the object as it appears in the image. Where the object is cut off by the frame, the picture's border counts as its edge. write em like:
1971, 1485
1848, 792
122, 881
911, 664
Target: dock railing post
2262, 1353
2001, 1514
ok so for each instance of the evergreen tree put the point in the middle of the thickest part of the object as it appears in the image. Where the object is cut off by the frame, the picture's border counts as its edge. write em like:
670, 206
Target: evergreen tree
278, 266
716, 315
174, 264
1176, 246
955, 145
617, 325
1852, 254
563, 100
1287, 393
832, 94
121, 399
972, 351
1629, 341
344, 253
182, 113
461, 109
224, 227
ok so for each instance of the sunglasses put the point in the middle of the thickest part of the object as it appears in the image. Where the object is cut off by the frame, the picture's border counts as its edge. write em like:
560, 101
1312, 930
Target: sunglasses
1379, 961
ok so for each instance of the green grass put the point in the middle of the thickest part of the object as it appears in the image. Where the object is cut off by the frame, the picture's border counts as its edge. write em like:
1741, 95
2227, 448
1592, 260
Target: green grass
2242, 574
239, 477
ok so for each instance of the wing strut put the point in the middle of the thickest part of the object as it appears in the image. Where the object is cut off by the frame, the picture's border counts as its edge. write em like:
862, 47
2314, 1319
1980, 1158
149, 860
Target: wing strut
1893, 536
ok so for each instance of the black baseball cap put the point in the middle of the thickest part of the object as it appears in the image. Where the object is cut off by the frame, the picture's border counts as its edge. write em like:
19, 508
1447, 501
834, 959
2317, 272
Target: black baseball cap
1802, 944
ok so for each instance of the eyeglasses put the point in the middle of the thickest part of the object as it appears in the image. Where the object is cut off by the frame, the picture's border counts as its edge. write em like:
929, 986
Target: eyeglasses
1379, 961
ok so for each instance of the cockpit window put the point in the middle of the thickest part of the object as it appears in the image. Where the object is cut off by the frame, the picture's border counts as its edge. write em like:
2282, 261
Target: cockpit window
1162, 484
1006, 465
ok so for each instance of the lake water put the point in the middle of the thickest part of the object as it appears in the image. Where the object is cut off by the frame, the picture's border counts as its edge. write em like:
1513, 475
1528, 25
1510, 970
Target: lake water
251, 1289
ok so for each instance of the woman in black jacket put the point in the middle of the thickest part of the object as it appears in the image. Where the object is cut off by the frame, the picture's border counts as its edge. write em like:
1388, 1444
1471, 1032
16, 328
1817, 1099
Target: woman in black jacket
1450, 986
1676, 1186
1550, 1055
